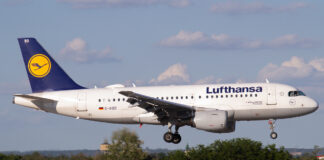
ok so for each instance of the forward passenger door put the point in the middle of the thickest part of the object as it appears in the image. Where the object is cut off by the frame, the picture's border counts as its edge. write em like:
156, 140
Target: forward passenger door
271, 95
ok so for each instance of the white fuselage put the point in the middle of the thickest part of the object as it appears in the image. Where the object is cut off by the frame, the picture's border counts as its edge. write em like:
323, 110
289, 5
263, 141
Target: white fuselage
251, 101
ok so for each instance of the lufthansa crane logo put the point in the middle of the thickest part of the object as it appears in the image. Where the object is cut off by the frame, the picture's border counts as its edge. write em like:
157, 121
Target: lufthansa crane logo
39, 65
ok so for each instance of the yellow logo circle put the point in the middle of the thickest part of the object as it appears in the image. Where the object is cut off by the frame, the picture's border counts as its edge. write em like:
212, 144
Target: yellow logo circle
39, 65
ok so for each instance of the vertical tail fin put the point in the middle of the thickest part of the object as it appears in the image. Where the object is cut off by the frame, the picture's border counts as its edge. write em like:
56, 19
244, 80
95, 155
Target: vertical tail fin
43, 72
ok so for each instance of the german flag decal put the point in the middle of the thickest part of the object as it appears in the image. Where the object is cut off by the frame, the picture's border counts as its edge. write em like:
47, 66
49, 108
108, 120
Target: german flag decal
101, 108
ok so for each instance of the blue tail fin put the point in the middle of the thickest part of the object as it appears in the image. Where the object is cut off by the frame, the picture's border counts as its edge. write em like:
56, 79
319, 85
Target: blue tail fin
43, 72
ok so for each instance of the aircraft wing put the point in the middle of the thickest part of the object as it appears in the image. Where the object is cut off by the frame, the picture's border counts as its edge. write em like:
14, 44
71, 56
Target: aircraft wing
155, 105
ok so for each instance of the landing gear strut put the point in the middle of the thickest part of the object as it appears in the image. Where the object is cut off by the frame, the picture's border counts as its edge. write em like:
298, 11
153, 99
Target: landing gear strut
273, 134
172, 137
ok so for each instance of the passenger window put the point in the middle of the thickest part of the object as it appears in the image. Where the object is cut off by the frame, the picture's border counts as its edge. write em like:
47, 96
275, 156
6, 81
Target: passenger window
216, 96
256, 95
192, 97
171, 97
236, 96
221, 96
211, 96
241, 95
246, 95
199, 97
162, 98
207, 97
176, 97
186, 97
99, 100
114, 99
181, 97
251, 95
226, 96
231, 96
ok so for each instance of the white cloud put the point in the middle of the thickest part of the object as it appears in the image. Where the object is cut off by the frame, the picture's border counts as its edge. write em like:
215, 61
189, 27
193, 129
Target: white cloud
291, 40
295, 68
239, 8
209, 80
199, 39
77, 50
124, 3
175, 74
184, 39
318, 64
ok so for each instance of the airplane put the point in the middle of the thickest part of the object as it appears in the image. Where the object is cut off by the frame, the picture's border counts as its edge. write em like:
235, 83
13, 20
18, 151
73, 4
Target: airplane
211, 107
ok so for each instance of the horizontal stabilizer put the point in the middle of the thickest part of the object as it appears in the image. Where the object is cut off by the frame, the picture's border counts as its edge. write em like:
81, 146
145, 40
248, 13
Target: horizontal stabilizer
34, 98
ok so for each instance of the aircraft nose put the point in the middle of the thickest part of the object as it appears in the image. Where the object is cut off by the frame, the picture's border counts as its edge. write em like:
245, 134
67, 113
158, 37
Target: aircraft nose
313, 104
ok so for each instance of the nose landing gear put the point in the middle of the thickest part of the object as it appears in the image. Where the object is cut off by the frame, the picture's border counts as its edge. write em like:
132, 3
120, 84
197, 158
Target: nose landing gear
273, 134
172, 137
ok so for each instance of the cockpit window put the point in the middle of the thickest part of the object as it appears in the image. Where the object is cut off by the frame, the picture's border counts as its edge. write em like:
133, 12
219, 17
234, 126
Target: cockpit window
296, 93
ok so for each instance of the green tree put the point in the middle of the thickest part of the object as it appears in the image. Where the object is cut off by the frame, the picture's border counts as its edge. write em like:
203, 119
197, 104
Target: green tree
156, 156
34, 156
271, 152
316, 150
176, 155
80, 156
9, 157
125, 145
235, 149
100, 156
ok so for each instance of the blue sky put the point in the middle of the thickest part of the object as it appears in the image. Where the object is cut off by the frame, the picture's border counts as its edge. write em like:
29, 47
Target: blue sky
161, 42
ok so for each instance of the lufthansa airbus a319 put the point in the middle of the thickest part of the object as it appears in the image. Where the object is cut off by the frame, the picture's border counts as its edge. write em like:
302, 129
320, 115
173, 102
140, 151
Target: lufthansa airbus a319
213, 108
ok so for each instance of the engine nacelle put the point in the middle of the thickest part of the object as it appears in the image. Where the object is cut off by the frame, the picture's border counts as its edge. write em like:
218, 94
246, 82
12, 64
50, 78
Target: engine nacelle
213, 121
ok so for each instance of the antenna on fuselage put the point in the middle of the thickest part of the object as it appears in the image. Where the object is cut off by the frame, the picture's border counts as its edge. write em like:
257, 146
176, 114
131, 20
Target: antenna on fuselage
267, 80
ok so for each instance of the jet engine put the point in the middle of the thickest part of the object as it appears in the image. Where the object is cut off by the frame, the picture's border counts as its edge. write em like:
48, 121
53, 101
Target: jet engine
213, 121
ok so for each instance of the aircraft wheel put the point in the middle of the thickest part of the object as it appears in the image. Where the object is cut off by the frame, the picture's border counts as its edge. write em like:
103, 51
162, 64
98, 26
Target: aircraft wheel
168, 137
176, 138
273, 135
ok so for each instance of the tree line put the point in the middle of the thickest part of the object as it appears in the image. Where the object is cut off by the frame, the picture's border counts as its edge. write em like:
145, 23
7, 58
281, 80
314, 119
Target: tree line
126, 145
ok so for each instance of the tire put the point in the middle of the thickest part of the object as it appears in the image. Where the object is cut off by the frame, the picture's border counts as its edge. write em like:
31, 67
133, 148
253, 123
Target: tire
176, 138
168, 137
273, 135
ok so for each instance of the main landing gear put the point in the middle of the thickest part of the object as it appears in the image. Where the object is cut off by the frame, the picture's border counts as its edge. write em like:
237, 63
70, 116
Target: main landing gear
273, 134
172, 137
